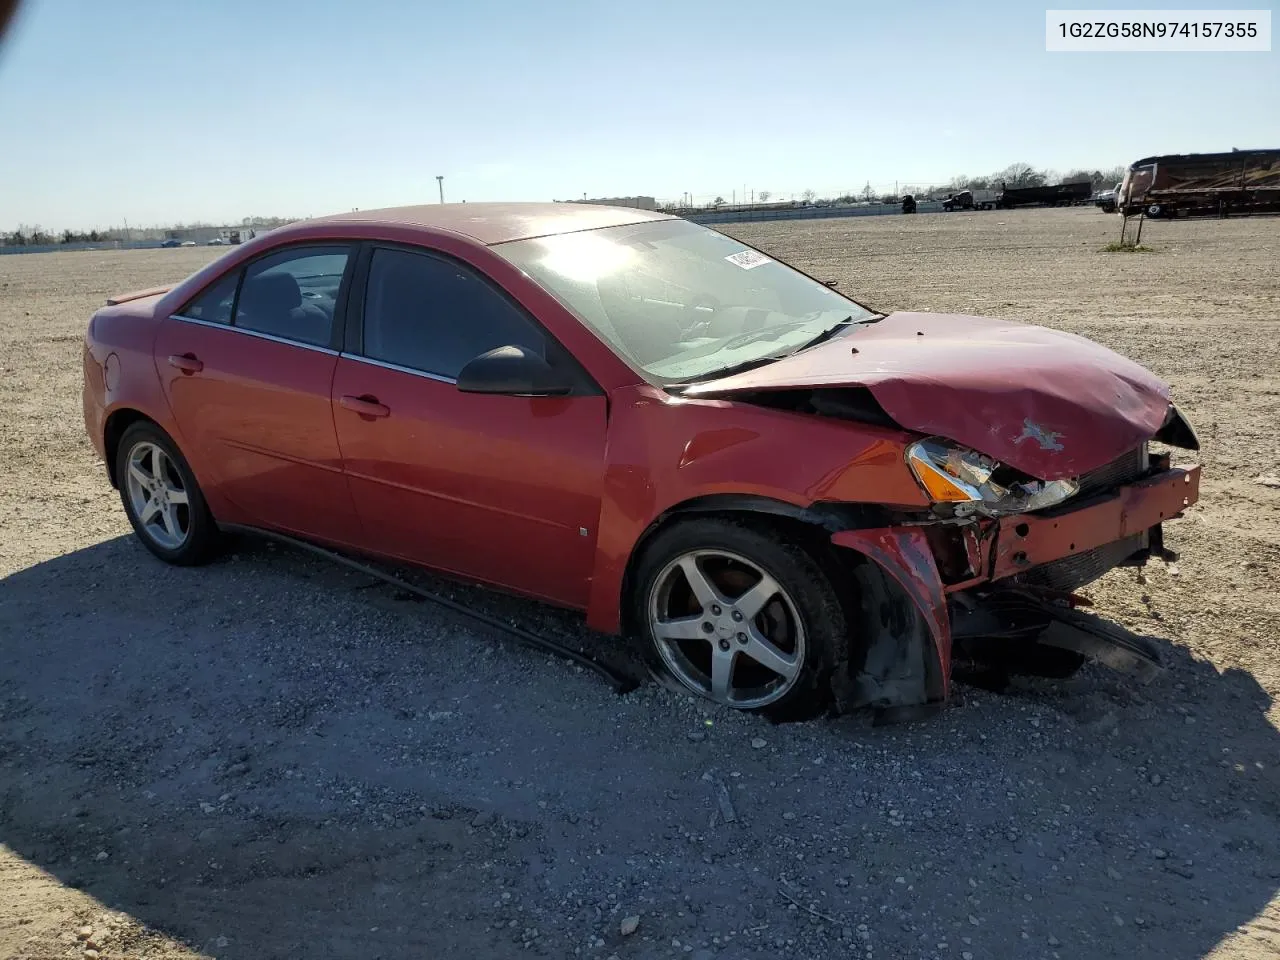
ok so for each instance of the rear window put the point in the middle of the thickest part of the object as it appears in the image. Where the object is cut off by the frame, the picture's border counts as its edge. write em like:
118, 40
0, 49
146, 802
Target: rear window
293, 294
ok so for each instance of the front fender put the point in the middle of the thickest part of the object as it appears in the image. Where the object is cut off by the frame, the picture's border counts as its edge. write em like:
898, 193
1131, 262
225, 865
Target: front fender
901, 669
664, 451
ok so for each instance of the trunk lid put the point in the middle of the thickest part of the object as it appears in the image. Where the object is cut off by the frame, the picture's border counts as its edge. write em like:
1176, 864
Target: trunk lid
1049, 403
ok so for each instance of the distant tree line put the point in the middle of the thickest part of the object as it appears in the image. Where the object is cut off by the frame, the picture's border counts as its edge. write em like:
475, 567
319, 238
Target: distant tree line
1014, 175
1025, 175
37, 236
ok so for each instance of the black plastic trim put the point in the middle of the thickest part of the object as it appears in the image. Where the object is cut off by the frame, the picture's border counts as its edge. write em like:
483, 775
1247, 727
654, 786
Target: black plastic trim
1177, 431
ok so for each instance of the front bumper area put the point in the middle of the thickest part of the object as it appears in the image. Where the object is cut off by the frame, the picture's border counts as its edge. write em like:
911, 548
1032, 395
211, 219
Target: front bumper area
966, 560
1026, 541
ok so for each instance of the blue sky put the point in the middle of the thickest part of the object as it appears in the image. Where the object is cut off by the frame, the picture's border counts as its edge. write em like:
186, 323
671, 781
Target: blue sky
158, 111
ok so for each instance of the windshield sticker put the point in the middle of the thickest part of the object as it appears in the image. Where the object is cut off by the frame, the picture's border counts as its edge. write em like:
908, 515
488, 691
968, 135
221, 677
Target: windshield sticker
747, 259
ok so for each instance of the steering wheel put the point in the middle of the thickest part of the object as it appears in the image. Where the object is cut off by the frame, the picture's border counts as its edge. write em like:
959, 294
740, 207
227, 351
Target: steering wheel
696, 320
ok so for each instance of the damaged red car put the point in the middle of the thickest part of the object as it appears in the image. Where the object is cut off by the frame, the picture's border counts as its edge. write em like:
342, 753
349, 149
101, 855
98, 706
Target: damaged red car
785, 498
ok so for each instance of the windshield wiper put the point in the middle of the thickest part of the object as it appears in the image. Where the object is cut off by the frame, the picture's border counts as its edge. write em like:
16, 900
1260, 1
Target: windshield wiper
745, 338
722, 372
826, 334
835, 327
768, 333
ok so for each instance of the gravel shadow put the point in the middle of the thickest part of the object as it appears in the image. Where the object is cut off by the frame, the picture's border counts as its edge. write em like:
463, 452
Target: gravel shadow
271, 756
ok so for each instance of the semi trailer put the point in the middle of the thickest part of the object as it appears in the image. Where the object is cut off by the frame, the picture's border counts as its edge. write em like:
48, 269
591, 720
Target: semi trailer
1202, 184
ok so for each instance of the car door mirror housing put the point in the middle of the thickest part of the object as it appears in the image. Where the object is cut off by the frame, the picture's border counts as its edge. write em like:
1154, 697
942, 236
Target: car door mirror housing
513, 370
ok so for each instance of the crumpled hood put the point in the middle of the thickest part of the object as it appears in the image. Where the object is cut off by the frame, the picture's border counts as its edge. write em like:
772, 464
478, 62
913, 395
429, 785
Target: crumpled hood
1051, 404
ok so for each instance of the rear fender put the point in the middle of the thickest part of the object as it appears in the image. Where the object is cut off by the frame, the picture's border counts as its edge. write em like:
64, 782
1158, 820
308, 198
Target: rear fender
122, 381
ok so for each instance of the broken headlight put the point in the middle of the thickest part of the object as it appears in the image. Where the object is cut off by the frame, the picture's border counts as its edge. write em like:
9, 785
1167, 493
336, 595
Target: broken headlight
965, 481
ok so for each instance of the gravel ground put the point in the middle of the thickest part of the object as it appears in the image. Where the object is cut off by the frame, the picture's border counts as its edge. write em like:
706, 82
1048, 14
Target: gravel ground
273, 757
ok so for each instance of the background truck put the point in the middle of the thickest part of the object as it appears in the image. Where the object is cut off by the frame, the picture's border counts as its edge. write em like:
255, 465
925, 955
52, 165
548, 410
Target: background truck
1105, 200
1061, 194
1202, 184
971, 200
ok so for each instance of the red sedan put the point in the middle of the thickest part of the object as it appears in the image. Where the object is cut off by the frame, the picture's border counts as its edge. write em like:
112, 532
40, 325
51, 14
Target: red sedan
783, 496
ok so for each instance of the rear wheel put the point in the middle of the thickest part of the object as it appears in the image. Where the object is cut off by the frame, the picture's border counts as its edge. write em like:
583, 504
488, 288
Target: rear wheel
162, 499
741, 617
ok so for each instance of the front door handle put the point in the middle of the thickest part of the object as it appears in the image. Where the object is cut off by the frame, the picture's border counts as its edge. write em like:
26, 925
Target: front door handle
366, 405
187, 362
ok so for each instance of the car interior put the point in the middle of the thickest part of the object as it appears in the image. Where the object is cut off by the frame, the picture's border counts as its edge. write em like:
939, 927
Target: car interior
432, 316
276, 303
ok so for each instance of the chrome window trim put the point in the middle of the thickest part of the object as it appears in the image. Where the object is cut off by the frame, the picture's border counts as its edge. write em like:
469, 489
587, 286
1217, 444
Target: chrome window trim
399, 369
254, 333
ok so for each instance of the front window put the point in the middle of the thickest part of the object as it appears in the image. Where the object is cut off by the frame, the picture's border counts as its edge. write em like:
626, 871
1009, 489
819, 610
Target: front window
680, 301
435, 315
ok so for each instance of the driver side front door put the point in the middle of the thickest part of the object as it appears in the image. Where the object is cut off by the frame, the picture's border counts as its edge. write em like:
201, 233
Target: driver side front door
501, 489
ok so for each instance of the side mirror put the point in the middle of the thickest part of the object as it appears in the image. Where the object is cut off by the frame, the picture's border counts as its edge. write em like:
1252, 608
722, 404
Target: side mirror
831, 283
514, 371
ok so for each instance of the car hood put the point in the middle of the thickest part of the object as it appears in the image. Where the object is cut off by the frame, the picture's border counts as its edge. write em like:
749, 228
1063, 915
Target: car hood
1050, 404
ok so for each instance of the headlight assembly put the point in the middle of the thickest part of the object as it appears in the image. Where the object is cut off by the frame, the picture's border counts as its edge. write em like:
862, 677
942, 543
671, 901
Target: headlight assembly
961, 478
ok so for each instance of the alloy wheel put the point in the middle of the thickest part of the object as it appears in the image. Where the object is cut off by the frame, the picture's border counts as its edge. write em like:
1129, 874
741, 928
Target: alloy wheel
726, 629
158, 496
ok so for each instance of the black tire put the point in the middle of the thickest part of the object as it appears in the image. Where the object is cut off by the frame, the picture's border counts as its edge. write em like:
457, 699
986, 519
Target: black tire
202, 536
804, 580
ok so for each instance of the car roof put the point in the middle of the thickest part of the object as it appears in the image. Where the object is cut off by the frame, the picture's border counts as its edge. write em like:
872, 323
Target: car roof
491, 223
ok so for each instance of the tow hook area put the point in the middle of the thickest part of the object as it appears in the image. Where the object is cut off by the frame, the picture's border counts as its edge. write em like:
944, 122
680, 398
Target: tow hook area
1041, 633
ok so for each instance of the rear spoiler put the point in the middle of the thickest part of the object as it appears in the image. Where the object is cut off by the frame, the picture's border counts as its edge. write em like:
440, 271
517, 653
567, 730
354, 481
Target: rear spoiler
137, 295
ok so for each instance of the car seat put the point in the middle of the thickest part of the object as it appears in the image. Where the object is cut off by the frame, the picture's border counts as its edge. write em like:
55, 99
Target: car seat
272, 303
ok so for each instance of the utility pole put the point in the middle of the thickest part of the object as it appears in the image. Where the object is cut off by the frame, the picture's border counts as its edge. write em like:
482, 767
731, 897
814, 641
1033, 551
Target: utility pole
440, 184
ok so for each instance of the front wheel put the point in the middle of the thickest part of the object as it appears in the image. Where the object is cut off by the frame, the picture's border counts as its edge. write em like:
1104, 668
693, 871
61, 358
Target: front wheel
741, 617
162, 499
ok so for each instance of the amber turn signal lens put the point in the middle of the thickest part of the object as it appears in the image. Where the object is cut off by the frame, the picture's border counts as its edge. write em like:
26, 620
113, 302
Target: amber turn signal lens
928, 460
941, 487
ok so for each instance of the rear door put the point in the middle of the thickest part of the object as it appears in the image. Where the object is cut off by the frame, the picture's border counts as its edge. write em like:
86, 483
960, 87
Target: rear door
501, 489
247, 366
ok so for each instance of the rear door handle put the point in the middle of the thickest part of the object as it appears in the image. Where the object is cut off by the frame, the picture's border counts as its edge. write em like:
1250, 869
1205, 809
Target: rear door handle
366, 405
187, 362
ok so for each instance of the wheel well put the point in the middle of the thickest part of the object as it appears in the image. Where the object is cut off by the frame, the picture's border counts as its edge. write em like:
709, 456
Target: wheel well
117, 424
807, 527
896, 662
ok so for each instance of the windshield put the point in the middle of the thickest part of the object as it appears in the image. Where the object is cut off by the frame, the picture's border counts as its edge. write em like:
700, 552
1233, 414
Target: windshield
680, 301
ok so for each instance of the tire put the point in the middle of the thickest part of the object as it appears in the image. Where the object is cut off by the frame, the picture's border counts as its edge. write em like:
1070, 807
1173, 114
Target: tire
800, 629
178, 532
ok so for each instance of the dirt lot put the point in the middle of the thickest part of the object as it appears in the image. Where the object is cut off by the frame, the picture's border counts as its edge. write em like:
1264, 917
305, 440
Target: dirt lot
271, 757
